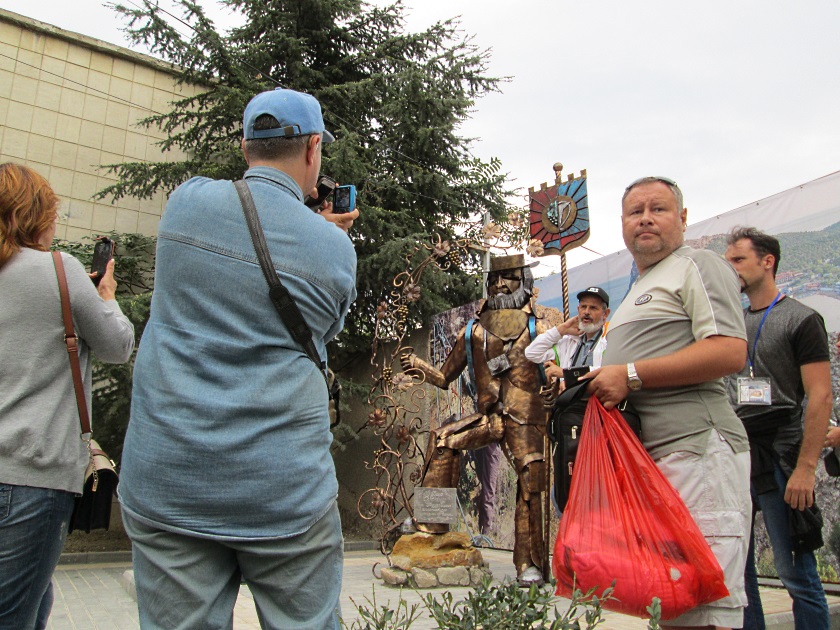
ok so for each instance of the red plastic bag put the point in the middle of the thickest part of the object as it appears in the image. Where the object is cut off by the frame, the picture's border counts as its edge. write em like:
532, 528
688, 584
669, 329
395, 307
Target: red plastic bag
625, 522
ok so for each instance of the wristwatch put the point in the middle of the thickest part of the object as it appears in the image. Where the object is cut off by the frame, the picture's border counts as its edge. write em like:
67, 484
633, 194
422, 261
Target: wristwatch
633, 380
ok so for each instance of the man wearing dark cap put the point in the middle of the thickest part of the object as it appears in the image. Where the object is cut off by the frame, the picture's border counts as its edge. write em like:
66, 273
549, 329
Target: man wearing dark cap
226, 472
509, 410
577, 342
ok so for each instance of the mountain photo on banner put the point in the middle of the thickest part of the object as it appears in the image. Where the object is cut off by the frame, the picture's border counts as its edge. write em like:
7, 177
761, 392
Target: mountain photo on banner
805, 219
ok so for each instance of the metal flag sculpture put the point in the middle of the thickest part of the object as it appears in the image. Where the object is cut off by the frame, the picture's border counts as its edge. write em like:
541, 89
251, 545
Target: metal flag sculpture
560, 213
559, 217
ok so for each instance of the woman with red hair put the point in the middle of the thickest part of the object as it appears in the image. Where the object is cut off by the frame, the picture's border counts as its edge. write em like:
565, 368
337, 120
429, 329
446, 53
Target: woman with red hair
42, 454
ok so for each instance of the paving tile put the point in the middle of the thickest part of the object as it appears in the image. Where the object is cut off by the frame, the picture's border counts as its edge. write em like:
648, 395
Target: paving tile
94, 596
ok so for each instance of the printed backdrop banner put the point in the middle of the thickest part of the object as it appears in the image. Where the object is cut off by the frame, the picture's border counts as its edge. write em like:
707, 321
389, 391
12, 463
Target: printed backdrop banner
806, 219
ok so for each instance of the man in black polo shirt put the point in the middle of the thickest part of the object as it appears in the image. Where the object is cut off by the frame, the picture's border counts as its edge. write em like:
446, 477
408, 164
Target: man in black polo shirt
788, 358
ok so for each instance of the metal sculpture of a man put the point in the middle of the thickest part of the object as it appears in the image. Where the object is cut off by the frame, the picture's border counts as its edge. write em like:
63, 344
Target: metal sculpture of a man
510, 409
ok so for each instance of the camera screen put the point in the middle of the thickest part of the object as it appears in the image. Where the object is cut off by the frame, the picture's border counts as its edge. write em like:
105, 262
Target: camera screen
342, 198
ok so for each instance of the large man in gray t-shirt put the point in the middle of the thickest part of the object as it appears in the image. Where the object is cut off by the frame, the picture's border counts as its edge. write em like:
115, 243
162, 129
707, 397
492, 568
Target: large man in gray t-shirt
677, 333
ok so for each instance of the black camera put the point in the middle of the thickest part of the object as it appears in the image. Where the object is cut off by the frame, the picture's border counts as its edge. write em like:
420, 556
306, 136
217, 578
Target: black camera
325, 187
572, 375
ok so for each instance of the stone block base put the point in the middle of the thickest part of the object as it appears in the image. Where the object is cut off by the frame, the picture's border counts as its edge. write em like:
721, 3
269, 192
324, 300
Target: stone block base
440, 577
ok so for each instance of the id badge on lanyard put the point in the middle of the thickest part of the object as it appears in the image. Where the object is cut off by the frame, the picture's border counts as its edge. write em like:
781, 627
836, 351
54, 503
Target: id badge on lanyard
754, 390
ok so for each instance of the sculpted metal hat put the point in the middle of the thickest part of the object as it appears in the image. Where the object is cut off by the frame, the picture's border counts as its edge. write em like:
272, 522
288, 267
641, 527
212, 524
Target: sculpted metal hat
515, 261
598, 292
299, 114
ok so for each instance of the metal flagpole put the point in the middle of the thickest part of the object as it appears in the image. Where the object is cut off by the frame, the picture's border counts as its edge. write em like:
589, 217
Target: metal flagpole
559, 221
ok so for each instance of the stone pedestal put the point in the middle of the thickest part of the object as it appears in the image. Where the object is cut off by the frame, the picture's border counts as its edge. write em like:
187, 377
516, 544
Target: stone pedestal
435, 560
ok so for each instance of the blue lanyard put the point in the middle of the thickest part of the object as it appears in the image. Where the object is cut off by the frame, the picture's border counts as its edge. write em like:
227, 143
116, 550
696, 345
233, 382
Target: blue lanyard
758, 332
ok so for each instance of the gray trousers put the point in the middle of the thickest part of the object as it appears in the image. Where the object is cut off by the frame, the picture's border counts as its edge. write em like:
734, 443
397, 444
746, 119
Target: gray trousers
189, 583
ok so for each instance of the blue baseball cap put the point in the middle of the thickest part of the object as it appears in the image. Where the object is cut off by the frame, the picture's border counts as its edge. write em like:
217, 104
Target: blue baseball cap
299, 114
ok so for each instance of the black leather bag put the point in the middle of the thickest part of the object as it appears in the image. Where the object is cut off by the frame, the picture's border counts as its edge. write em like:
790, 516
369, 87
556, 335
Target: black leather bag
564, 427
93, 508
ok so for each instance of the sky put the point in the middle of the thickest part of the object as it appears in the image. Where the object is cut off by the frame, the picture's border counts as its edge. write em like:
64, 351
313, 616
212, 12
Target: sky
736, 101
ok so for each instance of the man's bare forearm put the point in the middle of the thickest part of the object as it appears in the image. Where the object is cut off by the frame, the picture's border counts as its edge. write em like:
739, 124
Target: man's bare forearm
816, 379
702, 361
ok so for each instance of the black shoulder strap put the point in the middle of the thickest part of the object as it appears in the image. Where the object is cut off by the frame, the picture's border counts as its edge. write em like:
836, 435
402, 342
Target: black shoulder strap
280, 296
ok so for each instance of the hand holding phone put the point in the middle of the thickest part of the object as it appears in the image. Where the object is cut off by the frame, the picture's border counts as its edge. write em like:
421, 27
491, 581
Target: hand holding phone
325, 186
572, 375
103, 252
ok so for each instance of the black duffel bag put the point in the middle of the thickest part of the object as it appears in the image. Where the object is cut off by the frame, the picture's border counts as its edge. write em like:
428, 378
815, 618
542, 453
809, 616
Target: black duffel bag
564, 426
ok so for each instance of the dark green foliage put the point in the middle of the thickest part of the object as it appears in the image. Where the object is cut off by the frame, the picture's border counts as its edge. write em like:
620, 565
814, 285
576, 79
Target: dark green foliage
133, 269
509, 606
394, 100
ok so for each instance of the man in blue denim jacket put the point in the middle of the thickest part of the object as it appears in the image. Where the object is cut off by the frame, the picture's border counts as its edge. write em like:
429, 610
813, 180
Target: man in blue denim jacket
226, 470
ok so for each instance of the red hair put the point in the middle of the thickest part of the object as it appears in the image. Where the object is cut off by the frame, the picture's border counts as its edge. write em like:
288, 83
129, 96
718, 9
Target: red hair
28, 207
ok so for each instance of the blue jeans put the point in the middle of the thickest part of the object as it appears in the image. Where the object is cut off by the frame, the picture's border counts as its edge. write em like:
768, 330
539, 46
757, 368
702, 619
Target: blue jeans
33, 528
797, 569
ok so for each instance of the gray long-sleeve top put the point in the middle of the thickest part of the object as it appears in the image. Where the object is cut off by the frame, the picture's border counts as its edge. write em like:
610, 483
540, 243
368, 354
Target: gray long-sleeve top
40, 443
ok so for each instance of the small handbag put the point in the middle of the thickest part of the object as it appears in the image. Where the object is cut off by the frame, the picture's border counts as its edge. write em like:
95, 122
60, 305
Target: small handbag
93, 508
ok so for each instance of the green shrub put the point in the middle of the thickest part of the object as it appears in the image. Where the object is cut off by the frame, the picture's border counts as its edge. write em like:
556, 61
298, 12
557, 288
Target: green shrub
764, 564
504, 606
826, 572
383, 617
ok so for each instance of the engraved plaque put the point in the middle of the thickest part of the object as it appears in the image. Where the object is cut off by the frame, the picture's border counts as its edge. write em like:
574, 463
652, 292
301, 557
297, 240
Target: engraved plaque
436, 505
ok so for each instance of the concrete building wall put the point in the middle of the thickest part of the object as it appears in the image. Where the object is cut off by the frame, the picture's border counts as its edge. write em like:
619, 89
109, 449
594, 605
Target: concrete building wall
69, 104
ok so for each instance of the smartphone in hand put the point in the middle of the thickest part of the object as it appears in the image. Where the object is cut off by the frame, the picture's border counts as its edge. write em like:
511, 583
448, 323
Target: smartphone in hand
325, 187
103, 252
571, 376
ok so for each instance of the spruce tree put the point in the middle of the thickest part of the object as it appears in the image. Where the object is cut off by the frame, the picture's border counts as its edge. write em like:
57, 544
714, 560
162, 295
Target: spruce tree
394, 100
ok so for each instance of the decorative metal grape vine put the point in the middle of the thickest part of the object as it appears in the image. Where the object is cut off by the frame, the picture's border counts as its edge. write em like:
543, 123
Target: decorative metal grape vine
395, 398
